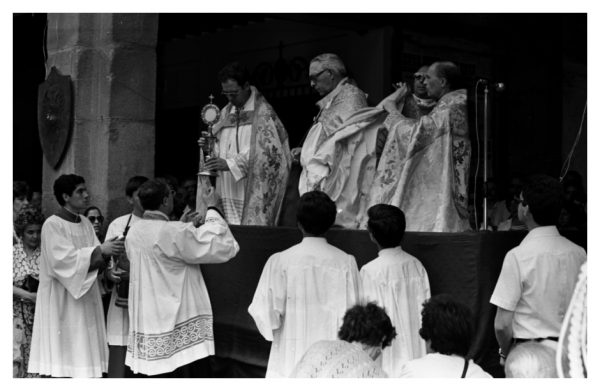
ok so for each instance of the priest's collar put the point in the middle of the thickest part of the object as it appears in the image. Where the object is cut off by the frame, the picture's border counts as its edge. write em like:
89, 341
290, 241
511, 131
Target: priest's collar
71, 217
155, 215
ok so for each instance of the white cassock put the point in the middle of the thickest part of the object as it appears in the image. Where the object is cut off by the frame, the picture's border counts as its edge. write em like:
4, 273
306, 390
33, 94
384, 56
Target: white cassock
69, 336
398, 282
301, 298
170, 316
117, 318
234, 147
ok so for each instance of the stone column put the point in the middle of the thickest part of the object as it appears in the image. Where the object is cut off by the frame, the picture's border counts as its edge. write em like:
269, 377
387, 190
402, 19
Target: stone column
111, 59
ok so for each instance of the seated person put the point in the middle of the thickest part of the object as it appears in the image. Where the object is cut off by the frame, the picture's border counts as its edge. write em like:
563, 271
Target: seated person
531, 360
365, 332
446, 329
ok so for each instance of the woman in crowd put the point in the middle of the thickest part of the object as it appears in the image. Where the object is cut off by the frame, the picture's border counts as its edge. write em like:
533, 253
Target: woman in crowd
95, 216
26, 253
365, 332
20, 193
447, 331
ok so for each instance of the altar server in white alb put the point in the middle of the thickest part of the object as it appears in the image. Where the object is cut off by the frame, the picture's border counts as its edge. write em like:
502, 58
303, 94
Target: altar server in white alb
170, 316
398, 282
117, 319
69, 336
304, 291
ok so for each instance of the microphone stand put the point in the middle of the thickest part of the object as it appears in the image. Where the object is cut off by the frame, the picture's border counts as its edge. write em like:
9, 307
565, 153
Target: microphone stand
485, 154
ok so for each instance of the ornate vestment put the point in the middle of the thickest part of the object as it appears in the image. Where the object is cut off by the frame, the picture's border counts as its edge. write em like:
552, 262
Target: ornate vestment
424, 167
335, 108
269, 160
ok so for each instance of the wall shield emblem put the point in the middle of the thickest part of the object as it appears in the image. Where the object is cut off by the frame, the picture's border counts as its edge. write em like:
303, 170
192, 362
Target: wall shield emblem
55, 116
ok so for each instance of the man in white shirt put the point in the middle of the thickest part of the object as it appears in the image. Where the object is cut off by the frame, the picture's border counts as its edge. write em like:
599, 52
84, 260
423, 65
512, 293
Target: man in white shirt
447, 331
252, 154
398, 282
539, 275
117, 319
170, 316
304, 291
69, 335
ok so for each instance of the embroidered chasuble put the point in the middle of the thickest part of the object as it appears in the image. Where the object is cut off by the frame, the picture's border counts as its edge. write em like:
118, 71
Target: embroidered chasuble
170, 315
301, 298
424, 167
69, 336
398, 282
255, 145
335, 108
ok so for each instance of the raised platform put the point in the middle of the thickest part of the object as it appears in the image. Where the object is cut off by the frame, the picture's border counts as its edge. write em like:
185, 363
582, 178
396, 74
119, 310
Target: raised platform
465, 265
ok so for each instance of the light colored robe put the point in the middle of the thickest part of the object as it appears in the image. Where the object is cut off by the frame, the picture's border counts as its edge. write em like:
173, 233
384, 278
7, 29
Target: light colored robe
424, 167
301, 298
69, 336
334, 109
265, 166
398, 282
117, 318
170, 315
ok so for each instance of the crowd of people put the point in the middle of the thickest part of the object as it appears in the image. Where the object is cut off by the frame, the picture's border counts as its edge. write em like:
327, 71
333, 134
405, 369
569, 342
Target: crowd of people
131, 301
323, 316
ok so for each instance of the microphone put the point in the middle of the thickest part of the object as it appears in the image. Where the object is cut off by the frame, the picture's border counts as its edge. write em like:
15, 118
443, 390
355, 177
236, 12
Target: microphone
499, 86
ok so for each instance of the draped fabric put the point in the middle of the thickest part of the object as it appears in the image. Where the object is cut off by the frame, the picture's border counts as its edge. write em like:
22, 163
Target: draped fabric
69, 335
424, 168
337, 359
268, 163
345, 164
334, 109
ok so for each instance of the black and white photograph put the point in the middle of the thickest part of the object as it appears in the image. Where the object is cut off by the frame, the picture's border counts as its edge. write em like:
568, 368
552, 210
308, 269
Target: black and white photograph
325, 193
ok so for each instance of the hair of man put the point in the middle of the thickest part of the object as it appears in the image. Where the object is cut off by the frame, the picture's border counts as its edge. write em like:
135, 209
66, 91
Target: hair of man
387, 224
449, 71
66, 184
20, 189
531, 360
543, 195
332, 62
368, 324
29, 215
152, 193
316, 212
234, 71
133, 184
446, 323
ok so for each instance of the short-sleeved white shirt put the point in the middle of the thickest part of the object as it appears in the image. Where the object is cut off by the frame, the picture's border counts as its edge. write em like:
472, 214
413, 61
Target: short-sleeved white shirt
537, 280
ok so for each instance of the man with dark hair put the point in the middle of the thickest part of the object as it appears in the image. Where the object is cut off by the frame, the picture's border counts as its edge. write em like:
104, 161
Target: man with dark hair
365, 332
539, 275
252, 153
170, 316
424, 167
69, 335
189, 188
398, 282
447, 331
117, 319
304, 291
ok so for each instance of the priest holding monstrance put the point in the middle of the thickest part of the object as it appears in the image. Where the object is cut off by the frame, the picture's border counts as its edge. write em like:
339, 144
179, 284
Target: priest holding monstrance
249, 153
